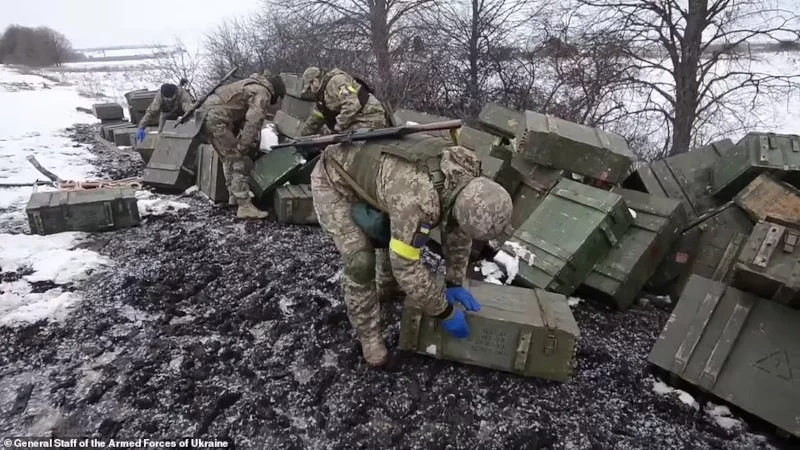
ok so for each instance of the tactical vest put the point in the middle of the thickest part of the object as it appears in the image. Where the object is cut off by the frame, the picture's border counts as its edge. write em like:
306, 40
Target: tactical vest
329, 115
424, 151
229, 92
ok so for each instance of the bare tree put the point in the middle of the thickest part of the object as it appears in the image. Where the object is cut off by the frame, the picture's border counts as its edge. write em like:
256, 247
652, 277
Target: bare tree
40, 46
178, 63
693, 58
380, 25
474, 31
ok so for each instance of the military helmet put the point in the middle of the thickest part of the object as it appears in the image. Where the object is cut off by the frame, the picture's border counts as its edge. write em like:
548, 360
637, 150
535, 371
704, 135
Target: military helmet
483, 209
168, 90
310, 74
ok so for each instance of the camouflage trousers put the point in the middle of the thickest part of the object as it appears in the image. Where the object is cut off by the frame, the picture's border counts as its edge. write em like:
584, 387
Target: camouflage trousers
367, 277
219, 129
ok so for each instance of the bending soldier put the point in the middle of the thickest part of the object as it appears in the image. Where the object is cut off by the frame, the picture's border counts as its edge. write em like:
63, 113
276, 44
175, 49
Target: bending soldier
418, 182
234, 115
170, 103
343, 103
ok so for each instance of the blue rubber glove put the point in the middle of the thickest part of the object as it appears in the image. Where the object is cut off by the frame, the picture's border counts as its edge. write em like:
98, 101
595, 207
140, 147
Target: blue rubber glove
140, 135
457, 325
461, 295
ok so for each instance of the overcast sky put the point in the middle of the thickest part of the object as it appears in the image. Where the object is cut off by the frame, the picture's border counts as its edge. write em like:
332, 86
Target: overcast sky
96, 23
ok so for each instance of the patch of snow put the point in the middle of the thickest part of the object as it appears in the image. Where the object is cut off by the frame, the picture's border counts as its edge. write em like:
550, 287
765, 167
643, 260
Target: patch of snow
633, 213
35, 126
329, 358
489, 268
722, 416
19, 306
520, 251
659, 387
269, 137
151, 205
285, 303
409, 122
49, 258
574, 301
511, 264
493, 280
687, 399
431, 349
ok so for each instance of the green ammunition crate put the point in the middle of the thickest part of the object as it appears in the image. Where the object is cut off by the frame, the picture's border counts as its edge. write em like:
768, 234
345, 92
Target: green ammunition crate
529, 332
583, 150
294, 204
573, 228
210, 175
657, 223
272, 170
769, 264
685, 177
501, 121
778, 154
88, 210
736, 346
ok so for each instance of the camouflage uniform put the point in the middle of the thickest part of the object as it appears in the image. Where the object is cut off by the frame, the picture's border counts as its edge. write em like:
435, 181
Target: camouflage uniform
342, 103
234, 116
415, 203
167, 109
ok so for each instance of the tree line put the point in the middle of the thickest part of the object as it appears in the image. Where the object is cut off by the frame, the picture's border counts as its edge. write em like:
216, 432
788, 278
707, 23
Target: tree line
668, 75
35, 47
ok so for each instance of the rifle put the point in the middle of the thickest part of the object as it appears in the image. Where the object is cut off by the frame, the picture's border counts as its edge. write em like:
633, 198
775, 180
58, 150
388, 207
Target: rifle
366, 135
199, 103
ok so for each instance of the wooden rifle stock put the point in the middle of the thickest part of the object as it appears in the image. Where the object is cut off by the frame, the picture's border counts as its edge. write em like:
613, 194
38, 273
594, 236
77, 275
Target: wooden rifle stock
369, 134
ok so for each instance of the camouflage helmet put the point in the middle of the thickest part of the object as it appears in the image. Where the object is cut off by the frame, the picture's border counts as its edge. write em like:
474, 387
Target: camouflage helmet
309, 74
483, 209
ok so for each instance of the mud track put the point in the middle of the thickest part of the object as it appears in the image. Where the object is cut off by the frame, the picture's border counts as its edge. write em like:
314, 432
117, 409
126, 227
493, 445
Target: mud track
210, 327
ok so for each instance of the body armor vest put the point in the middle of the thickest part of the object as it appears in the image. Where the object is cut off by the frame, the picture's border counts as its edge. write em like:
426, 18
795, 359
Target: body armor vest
329, 115
424, 151
228, 93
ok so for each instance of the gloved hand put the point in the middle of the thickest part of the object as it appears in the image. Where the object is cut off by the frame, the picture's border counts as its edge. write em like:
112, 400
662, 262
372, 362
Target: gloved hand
457, 325
140, 134
461, 295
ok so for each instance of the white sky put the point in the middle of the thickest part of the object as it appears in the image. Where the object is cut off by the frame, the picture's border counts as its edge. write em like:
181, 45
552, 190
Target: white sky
97, 23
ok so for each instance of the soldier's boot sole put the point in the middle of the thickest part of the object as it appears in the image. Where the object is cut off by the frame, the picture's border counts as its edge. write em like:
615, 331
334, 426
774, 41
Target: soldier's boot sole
374, 351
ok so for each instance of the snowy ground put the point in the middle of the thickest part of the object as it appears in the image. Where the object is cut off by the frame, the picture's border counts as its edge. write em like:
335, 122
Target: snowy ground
197, 324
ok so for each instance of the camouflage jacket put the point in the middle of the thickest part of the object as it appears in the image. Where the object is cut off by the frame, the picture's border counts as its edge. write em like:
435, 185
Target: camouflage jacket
246, 103
407, 194
340, 95
180, 104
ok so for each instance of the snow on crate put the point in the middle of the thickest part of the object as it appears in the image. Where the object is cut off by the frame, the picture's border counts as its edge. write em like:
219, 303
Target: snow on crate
37, 259
269, 137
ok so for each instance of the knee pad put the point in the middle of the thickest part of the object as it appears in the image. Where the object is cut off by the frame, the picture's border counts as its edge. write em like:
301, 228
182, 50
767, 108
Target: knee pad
360, 267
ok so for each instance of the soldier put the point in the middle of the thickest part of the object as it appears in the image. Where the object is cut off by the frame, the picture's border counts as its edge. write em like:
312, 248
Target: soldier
234, 115
170, 103
417, 182
342, 103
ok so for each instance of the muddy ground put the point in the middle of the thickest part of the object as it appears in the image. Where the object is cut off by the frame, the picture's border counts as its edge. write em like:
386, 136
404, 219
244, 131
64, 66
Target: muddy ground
207, 326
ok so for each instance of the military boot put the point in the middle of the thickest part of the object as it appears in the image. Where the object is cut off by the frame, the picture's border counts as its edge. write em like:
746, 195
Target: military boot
247, 210
374, 350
